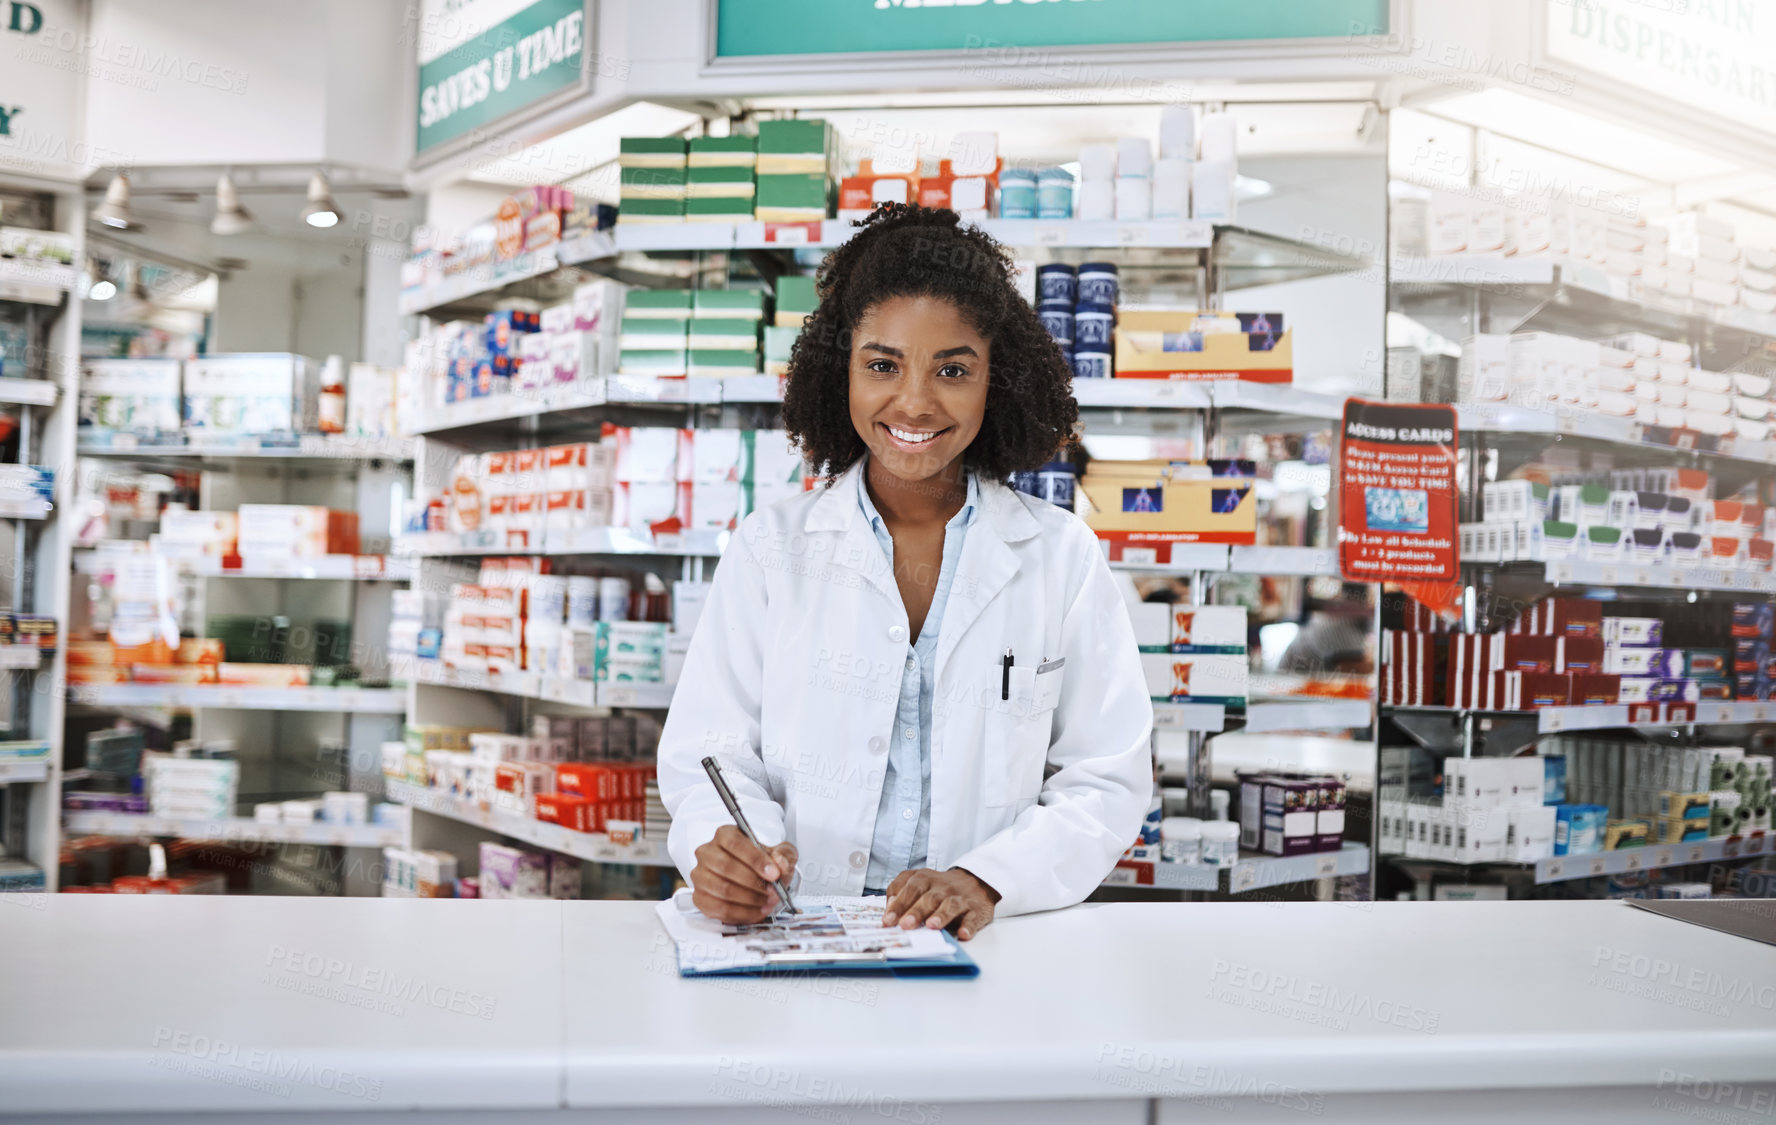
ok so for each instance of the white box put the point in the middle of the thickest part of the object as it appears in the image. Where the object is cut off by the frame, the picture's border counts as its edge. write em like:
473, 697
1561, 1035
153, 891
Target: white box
273, 392
139, 395
1531, 833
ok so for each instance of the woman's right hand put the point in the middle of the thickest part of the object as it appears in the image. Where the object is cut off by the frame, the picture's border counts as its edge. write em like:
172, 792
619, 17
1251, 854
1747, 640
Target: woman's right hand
733, 876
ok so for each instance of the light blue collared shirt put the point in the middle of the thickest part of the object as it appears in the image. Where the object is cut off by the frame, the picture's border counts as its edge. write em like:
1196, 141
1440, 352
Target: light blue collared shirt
903, 818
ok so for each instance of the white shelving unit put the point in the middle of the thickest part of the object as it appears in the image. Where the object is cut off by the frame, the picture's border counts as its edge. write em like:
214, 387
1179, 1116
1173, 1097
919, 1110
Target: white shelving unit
43, 388
337, 568
1251, 872
594, 846
226, 697
234, 829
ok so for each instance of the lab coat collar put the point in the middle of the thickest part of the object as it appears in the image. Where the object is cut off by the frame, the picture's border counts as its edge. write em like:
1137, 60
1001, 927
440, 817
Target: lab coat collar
1005, 511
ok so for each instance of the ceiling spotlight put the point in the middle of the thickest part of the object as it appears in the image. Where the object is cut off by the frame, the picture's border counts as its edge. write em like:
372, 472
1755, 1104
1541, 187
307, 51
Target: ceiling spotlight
231, 217
103, 289
321, 211
115, 210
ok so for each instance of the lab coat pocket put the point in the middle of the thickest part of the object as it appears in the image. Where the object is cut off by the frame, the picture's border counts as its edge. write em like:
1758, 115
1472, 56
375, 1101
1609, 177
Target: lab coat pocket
1020, 712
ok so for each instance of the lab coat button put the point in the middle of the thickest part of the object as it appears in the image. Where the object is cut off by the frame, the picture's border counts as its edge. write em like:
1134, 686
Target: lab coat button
877, 745
858, 859
897, 634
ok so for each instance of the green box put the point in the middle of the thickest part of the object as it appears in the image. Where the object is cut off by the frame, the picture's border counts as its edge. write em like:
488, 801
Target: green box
654, 332
731, 209
653, 177
779, 339
729, 303
674, 303
719, 182
804, 137
708, 361
722, 332
651, 152
796, 295
652, 361
801, 190
655, 209
725, 152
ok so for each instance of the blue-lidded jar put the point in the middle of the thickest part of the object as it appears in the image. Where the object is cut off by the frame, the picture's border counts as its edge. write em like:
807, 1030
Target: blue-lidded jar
1017, 194
1091, 365
1054, 194
1057, 282
1056, 482
1059, 322
1093, 326
1098, 284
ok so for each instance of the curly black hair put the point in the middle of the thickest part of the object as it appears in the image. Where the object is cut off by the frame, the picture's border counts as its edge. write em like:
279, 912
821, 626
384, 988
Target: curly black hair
908, 251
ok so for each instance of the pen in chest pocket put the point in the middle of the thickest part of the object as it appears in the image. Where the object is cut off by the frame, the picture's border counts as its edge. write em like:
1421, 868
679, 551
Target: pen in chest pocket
1005, 663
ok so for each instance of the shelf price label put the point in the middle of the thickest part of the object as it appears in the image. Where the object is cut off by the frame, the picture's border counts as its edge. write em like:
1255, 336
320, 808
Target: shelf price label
1244, 877
1553, 869
1663, 857
621, 696
1598, 865
1050, 235
1326, 865
1131, 234
1632, 863
1730, 847
1696, 853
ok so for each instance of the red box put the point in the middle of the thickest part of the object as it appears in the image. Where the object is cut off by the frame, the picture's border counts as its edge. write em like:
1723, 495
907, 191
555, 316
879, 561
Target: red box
1590, 688
1526, 691
1561, 617
567, 810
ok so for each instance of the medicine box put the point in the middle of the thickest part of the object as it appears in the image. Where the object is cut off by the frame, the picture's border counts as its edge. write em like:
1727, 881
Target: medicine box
1208, 629
1195, 678
270, 392
134, 395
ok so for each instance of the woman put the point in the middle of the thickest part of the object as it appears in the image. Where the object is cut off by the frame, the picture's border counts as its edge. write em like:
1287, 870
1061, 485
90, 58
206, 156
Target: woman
922, 683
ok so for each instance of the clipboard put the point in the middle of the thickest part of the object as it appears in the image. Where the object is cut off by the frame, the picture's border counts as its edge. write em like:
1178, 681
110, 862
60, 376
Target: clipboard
924, 953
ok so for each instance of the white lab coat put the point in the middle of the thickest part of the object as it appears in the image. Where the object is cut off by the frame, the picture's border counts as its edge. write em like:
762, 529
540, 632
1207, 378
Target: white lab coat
792, 679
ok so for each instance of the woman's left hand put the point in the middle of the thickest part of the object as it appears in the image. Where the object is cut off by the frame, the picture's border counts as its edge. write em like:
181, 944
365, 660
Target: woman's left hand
939, 899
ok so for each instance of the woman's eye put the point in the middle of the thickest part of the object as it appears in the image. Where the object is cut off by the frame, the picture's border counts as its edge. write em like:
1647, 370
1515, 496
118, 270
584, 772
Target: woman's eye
881, 366
953, 371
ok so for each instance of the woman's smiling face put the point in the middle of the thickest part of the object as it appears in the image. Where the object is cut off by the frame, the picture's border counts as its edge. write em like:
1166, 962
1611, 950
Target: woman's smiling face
918, 385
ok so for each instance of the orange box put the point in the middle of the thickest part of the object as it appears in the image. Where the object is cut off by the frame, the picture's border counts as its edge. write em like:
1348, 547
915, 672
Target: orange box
97, 674
198, 650
566, 809
97, 653
263, 675
154, 652
173, 673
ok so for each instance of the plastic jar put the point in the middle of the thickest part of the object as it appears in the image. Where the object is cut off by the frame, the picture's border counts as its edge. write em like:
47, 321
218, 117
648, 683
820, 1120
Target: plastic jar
1055, 483
582, 601
1093, 326
1057, 282
613, 599
1220, 843
1054, 194
1098, 284
1181, 839
1091, 365
1017, 194
1218, 801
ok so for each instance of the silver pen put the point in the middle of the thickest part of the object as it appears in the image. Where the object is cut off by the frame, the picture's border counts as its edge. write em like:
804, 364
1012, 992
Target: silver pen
713, 769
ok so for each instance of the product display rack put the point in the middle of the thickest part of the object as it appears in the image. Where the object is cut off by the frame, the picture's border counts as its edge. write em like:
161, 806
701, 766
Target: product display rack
43, 390
1214, 259
281, 733
1251, 872
1462, 295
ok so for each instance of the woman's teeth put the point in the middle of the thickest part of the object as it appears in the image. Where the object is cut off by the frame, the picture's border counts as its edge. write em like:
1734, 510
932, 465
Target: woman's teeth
911, 437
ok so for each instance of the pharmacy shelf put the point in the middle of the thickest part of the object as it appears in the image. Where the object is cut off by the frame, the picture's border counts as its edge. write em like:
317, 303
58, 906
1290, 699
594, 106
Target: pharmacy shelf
243, 829
527, 685
1560, 868
24, 508
1306, 713
358, 701
1277, 398
36, 283
494, 275
286, 447
583, 541
1590, 572
1209, 717
1188, 558
594, 846
19, 772
28, 392
349, 568
1142, 394
1631, 294
632, 390
1184, 234
1251, 872
752, 388
531, 685
1610, 716
1575, 421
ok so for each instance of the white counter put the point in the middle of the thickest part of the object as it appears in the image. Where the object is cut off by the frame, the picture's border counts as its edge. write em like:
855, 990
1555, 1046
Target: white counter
111, 1005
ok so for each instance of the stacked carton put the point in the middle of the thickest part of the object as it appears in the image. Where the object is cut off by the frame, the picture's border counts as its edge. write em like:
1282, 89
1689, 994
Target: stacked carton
723, 332
720, 179
797, 166
653, 172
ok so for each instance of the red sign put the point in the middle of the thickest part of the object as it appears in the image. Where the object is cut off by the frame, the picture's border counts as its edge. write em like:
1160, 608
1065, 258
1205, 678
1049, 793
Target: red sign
1397, 505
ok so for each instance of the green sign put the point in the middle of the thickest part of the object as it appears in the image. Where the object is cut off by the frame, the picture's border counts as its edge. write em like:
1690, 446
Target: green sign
510, 65
819, 27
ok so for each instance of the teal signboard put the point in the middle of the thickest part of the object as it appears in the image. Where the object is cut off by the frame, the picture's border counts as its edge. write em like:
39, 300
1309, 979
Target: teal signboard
819, 27
520, 60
